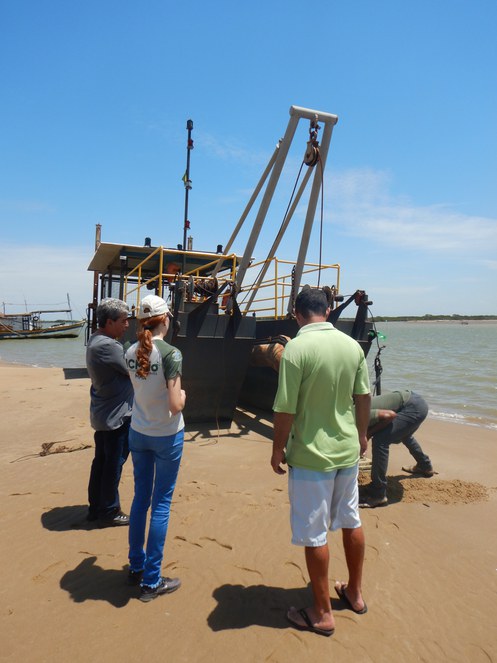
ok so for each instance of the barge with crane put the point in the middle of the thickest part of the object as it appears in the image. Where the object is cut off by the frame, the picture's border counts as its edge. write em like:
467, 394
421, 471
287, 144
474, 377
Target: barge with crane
227, 306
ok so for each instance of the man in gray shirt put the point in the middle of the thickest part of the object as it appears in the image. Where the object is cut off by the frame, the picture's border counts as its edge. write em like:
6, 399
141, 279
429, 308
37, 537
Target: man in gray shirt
111, 398
395, 417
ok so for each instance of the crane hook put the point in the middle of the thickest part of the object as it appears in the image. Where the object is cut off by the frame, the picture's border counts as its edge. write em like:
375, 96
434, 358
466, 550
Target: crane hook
311, 156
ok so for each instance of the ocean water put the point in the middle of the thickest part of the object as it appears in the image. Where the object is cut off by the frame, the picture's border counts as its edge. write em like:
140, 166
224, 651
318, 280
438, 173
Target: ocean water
46, 352
452, 365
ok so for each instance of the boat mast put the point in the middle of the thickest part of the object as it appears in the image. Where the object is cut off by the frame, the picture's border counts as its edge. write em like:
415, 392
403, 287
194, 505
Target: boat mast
92, 324
188, 185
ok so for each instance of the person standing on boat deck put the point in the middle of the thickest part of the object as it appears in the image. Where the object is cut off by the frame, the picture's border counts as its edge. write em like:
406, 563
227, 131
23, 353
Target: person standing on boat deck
320, 436
111, 397
395, 417
156, 444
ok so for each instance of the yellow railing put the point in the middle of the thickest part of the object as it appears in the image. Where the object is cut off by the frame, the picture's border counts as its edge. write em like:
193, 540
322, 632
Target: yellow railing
275, 290
130, 287
272, 295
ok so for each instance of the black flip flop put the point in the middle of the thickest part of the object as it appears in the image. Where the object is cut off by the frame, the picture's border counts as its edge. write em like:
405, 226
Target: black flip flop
342, 595
309, 625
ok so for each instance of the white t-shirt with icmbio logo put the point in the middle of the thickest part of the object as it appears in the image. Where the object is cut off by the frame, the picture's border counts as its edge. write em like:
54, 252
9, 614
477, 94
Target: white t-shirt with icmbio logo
151, 414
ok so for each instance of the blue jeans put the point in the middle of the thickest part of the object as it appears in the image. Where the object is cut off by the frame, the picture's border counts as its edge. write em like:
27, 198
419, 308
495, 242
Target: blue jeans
111, 452
155, 465
409, 418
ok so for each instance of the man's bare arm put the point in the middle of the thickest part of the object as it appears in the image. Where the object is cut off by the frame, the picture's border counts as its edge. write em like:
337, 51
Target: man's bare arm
282, 422
385, 417
362, 411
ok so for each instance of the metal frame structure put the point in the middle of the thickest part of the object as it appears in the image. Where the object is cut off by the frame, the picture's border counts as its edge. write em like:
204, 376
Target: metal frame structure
273, 170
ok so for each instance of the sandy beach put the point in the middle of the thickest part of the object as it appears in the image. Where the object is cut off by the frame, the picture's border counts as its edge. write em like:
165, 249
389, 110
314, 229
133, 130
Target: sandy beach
430, 572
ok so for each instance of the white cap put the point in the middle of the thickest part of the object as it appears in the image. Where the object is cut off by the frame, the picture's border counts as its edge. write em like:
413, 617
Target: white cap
150, 306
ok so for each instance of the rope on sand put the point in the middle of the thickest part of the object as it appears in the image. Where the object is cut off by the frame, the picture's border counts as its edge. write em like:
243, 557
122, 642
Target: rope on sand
56, 447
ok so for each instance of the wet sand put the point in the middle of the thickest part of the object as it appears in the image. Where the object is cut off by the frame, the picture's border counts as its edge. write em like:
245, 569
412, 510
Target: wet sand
430, 572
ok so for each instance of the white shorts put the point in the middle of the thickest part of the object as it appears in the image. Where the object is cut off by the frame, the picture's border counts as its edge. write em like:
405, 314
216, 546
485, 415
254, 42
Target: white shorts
322, 501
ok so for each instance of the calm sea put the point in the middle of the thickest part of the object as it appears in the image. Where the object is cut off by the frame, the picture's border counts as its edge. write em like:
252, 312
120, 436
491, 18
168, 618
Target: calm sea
452, 365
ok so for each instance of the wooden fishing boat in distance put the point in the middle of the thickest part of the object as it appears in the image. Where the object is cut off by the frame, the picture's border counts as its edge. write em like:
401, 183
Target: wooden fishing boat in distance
15, 326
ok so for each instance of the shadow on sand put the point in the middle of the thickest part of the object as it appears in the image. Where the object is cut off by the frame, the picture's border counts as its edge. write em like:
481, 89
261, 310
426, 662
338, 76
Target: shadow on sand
89, 582
75, 373
66, 518
239, 606
245, 421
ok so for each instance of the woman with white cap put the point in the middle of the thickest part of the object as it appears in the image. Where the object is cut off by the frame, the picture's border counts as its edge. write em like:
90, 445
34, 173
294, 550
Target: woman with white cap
156, 444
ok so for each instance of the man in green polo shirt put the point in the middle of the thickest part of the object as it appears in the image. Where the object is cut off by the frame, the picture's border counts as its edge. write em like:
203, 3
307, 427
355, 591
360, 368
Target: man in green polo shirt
320, 436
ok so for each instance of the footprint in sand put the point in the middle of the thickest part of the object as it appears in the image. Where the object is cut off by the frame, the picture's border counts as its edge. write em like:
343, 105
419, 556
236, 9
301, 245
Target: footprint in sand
299, 568
219, 543
183, 538
46, 573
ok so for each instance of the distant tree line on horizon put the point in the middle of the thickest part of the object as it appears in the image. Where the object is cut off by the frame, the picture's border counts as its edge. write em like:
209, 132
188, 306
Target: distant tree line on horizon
430, 317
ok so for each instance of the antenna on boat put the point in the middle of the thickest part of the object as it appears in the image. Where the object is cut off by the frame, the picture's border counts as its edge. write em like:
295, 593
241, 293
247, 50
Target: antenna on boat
188, 185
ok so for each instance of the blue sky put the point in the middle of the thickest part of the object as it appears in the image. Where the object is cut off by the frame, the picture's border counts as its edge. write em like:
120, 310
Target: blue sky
95, 98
